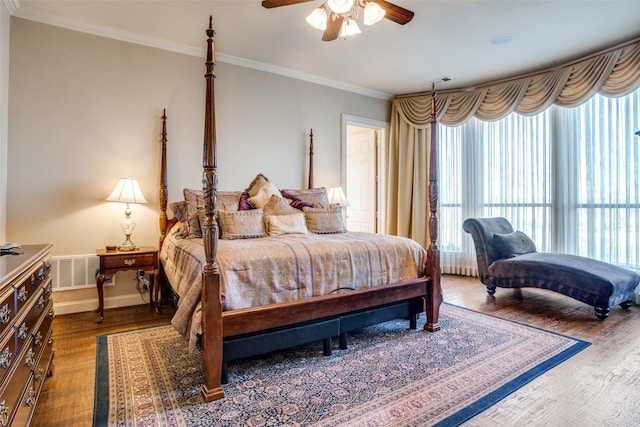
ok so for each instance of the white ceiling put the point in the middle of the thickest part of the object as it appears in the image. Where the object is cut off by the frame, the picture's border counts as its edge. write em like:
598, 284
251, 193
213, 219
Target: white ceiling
445, 38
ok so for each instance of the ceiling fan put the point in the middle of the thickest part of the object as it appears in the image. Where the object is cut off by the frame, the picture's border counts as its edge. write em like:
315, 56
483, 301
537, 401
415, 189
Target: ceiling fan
337, 17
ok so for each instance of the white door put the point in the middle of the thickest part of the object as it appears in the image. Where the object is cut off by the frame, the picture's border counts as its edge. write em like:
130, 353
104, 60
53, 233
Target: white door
361, 178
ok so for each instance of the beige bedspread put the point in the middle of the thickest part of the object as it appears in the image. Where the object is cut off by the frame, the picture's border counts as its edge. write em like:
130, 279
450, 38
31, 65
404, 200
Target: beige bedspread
268, 270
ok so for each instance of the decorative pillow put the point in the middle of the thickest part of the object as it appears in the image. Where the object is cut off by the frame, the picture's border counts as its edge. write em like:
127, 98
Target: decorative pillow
296, 201
242, 224
324, 221
264, 194
278, 206
279, 225
513, 244
316, 196
258, 182
244, 204
194, 200
228, 201
179, 210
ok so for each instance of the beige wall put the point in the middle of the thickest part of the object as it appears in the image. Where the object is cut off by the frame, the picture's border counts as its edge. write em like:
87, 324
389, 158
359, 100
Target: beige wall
4, 99
84, 111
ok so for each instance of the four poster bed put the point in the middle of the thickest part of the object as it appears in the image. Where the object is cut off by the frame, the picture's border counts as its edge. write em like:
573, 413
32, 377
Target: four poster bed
311, 293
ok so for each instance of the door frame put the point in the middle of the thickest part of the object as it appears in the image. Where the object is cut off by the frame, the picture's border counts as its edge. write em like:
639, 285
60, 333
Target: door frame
381, 155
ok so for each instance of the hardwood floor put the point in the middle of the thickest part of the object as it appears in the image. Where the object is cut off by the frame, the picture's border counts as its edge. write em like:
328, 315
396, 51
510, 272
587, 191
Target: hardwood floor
67, 396
598, 387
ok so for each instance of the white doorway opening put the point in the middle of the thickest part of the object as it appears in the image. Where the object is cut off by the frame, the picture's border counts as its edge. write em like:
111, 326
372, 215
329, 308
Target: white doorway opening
363, 151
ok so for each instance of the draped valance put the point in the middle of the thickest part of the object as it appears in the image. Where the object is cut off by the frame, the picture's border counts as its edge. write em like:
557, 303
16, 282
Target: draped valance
615, 72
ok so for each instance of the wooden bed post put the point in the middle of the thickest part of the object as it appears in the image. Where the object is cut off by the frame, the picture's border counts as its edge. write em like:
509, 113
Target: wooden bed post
211, 304
163, 181
434, 292
310, 185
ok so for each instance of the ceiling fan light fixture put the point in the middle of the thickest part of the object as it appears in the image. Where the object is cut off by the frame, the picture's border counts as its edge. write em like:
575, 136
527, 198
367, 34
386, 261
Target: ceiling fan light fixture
373, 13
341, 6
349, 28
318, 19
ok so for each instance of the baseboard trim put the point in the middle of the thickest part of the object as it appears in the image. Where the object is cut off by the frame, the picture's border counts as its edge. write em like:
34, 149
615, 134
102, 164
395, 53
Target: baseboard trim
81, 306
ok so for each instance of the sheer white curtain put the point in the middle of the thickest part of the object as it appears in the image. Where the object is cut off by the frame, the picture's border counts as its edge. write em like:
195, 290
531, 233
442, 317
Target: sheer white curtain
568, 177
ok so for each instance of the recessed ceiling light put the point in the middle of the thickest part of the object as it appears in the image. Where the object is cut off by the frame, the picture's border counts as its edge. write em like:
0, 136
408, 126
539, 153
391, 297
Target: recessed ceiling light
502, 38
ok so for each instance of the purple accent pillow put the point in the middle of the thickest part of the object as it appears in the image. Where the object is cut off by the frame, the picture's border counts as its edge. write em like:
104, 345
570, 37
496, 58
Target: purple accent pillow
296, 201
244, 204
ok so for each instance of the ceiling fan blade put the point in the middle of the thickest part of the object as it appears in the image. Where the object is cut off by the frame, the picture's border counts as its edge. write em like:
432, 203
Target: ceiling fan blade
277, 3
334, 24
395, 13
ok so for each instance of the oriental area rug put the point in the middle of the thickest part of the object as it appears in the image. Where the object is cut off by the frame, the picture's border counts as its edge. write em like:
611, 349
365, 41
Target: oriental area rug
389, 376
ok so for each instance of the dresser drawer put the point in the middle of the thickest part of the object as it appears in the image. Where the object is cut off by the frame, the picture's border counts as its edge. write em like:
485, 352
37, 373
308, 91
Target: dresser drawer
29, 286
128, 261
42, 331
44, 367
24, 409
24, 327
7, 310
16, 383
7, 355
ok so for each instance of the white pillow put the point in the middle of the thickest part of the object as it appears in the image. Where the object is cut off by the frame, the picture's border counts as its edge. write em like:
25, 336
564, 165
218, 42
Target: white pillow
264, 194
279, 225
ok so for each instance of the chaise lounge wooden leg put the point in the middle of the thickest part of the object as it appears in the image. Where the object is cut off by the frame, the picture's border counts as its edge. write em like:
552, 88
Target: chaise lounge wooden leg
602, 312
626, 305
491, 290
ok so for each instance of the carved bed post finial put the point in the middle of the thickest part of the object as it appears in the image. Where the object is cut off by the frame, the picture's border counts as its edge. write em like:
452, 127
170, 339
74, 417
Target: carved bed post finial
310, 185
433, 253
163, 180
211, 303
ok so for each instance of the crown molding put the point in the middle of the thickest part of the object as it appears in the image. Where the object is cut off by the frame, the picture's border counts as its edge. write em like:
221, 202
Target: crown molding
299, 75
125, 36
11, 5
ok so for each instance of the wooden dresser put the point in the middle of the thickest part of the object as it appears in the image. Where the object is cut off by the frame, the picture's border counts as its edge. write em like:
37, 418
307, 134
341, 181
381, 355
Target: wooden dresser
26, 341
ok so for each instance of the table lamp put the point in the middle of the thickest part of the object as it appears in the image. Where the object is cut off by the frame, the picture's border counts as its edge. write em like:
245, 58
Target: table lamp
127, 191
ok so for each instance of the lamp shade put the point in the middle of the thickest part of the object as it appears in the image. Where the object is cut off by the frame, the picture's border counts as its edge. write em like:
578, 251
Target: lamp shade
318, 19
336, 197
373, 13
127, 191
340, 6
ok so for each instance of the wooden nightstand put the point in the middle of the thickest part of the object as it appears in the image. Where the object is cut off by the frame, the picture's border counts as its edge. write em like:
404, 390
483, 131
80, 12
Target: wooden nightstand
111, 262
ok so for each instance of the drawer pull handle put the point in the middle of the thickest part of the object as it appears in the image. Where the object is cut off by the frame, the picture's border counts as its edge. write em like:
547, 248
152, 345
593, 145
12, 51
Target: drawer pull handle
23, 294
33, 279
4, 414
129, 262
22, 331
5, 313
48, 289
37, 340
39, 374
41, 302
5, 358
30, 359
31, 398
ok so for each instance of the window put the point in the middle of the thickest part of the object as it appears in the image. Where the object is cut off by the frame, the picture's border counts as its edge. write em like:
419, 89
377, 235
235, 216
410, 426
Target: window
567, 177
